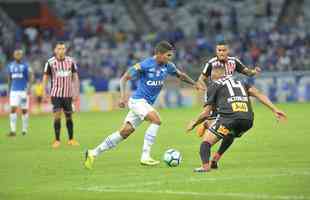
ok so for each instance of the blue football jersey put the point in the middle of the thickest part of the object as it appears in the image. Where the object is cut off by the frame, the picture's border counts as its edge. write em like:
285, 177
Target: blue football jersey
150, 77
19, 75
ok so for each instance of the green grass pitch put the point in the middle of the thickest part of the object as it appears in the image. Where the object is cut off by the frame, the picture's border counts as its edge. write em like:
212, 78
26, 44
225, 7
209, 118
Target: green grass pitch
271, 161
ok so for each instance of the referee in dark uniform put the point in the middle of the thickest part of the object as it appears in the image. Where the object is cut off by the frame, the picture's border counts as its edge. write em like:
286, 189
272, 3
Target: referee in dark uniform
62, 70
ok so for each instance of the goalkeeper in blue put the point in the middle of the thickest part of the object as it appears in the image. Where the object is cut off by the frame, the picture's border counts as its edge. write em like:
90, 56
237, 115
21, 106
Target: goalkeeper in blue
150, 74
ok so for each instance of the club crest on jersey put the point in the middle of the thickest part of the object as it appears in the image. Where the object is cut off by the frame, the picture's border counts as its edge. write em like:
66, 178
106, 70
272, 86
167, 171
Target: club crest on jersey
63, 73
155, 83
231, 66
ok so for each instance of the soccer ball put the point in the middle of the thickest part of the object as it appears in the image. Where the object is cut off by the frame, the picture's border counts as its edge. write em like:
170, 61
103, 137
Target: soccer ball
172, 157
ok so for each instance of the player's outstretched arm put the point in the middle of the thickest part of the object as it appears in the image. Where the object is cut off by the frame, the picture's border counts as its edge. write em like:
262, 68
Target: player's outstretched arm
201, 81
251, 72
280, 115
185, 78
201, 118
241, 68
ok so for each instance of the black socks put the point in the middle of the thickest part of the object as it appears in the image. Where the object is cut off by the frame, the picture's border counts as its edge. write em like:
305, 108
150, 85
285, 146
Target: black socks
57, 126
205, 149
69, 124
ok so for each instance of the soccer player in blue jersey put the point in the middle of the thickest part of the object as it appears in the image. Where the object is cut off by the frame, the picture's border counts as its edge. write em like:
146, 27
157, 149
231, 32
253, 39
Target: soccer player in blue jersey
151, 74
19, 81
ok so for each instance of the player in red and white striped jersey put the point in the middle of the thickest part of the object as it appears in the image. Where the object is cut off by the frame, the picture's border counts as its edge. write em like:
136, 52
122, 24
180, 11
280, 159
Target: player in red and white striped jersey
62, 70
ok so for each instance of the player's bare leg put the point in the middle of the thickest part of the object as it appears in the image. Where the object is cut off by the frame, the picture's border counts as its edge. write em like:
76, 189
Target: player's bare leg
209, 139
25, 119
108, 143
13, 119
149, 138
57, 128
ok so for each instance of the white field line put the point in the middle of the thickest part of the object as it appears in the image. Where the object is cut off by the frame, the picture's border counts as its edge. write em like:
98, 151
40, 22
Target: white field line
205, 194
196, 179
135, 188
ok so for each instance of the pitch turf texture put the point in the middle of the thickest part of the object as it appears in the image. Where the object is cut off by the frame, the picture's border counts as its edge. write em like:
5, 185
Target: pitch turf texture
270, 162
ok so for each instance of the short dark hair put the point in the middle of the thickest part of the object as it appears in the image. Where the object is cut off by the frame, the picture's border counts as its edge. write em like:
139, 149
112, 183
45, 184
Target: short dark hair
222, 42
59, 43
163, 47
18, 49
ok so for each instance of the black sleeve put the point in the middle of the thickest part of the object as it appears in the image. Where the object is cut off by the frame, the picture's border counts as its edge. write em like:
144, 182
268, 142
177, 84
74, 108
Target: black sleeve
211, 94
239, 66
207, 70
74, 67
47, 68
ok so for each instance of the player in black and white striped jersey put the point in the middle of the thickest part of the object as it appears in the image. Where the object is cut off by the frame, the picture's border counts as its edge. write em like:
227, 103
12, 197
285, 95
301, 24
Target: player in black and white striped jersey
224, 64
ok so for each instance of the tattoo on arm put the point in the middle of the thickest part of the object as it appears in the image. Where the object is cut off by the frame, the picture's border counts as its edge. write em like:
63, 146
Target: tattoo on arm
249, 72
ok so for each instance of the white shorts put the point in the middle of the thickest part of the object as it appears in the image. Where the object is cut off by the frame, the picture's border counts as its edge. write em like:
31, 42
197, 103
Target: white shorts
19, 99
139, 108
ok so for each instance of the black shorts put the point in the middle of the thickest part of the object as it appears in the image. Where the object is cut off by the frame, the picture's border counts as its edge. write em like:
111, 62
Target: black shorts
64, 103
236, 127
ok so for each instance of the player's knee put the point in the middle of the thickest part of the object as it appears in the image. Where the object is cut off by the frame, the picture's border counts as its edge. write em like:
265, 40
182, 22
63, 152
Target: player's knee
13, 110
68, 116
57, 116
156, 121
57, 120
126, 131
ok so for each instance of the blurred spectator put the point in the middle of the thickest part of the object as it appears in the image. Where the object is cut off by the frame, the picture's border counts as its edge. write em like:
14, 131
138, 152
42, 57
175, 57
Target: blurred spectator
103, 38
38, 94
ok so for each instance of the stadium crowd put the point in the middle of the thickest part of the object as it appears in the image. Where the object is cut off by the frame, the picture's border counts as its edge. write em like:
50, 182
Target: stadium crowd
104, 43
